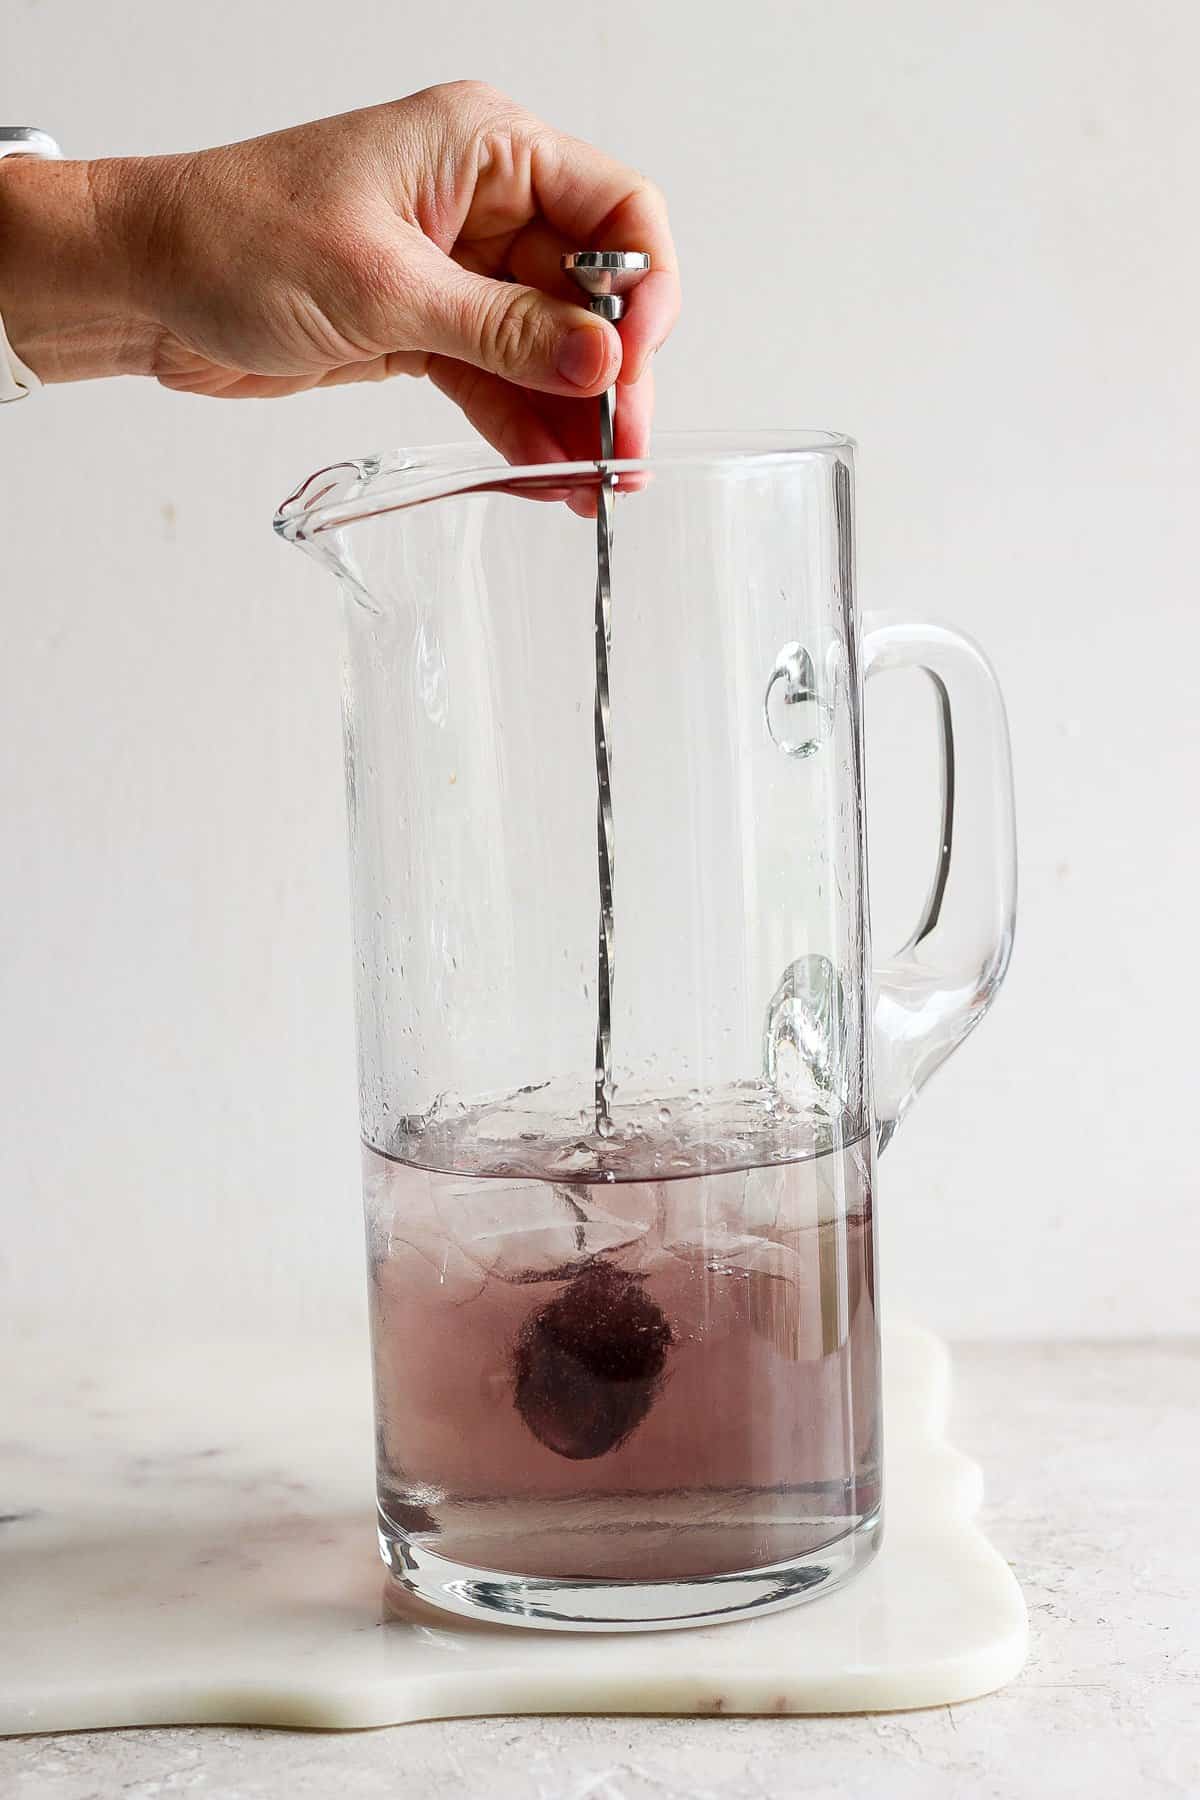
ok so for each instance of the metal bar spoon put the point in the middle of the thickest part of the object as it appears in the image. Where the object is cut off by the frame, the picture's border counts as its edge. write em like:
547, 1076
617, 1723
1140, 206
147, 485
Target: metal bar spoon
606, 276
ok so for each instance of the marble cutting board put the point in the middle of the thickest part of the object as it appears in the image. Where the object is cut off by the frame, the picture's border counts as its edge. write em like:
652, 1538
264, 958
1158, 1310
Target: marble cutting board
188, 1537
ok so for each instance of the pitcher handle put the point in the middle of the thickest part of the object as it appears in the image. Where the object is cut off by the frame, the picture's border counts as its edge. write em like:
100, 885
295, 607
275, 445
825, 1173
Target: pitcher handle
935, 990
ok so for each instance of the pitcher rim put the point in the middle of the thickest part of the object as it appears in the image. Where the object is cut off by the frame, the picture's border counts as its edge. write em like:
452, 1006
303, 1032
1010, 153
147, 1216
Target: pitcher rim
345, 493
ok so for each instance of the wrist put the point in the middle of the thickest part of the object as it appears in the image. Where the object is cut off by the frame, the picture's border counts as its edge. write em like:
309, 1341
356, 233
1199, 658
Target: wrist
74, 284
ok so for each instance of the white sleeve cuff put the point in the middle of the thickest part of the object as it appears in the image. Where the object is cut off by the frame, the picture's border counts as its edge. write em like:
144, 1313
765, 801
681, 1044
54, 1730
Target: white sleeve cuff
16, 377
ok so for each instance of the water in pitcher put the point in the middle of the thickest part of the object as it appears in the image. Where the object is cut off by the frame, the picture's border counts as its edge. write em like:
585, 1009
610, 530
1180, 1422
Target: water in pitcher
623, 1379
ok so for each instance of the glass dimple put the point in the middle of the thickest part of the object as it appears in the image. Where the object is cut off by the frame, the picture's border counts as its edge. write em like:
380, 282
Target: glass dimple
804, 1033
798, 718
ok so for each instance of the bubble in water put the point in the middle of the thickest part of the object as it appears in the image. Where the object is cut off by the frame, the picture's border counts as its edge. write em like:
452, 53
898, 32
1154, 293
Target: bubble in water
798, 719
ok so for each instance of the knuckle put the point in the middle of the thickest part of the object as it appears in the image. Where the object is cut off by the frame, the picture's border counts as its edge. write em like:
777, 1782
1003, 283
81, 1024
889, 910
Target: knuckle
512, 329
477, 96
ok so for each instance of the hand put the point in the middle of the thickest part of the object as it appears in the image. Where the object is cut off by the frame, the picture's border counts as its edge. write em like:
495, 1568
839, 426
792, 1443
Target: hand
421, 238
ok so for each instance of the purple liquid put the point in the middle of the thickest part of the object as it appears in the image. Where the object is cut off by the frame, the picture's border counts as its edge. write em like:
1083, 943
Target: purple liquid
629, 1380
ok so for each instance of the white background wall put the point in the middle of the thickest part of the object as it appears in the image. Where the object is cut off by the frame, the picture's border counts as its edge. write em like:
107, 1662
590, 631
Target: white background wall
964, 233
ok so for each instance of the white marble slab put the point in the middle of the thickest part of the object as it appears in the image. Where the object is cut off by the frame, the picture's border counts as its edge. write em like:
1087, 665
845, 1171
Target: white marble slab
193, 1541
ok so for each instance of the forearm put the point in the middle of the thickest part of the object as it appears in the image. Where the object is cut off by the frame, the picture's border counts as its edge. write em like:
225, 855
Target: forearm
75, 238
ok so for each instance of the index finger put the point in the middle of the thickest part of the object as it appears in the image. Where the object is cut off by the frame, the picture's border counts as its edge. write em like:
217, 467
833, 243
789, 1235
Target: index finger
602, 205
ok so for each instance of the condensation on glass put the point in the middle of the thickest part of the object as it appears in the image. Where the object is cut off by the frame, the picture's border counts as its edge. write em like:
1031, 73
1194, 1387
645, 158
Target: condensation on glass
630, 1378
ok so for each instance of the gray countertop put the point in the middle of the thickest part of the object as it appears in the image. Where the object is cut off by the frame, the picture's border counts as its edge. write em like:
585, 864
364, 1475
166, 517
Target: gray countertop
1091, 1455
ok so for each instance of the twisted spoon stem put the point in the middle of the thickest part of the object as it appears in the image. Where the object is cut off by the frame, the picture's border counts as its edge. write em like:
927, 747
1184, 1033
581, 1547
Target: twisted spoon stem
605, 844
606, 276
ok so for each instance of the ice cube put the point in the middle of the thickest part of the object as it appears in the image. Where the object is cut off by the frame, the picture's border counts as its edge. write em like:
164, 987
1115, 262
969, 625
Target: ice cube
416, 1265
784, 1306
693, 1210
532, 1231
781, 1298
737, 1253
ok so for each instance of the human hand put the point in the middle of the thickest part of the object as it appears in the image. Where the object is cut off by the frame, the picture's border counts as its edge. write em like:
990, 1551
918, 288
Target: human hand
422, 237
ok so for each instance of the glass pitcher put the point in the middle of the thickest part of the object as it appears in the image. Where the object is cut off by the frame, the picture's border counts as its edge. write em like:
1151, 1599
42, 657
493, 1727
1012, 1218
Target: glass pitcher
624, 1307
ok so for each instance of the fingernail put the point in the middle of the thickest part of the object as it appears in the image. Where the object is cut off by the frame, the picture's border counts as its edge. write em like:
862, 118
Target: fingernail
581, 357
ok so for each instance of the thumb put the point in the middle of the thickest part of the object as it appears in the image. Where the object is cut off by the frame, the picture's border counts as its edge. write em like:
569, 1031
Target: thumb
519, 333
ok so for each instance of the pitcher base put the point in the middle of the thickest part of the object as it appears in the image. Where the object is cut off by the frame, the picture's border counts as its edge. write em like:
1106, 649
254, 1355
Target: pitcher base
562, 1604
